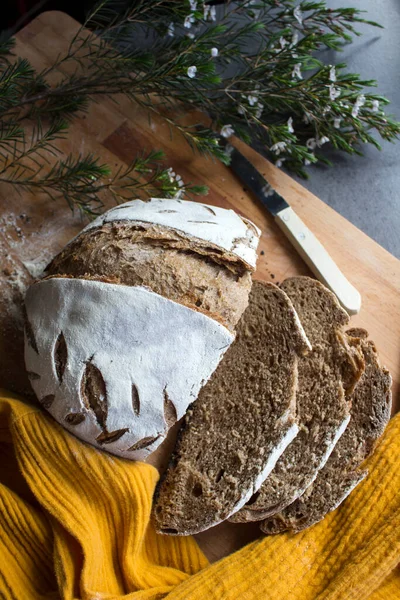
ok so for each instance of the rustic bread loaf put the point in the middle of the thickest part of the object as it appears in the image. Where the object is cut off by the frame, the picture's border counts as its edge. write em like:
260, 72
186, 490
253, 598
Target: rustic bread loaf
370, 413
326, 377
116, 347
242, 421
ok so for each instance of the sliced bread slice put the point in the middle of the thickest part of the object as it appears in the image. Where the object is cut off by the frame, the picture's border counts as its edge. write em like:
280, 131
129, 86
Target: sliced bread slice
240, 424
370, 414
326, 375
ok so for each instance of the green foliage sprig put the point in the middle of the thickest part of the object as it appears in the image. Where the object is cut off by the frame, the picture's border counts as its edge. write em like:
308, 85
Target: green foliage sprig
251, 67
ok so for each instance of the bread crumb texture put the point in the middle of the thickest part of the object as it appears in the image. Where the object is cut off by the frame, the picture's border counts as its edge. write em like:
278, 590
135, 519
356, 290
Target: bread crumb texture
237, 425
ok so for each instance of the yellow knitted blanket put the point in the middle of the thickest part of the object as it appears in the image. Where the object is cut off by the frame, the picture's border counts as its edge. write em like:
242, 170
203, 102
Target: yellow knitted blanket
75, 523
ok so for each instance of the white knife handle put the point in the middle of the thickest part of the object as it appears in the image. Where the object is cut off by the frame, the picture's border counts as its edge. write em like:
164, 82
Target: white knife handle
318, 259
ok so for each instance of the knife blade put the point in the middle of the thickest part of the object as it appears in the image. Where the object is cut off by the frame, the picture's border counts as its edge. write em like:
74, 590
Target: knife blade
304, 241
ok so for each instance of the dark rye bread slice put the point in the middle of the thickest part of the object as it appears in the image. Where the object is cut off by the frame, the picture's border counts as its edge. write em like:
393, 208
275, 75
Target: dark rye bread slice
242, 421
370, 414
326, 375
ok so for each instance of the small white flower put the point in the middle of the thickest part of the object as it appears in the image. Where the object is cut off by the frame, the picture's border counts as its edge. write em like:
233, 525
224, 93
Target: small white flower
214, 52
190, 35
283, 42
322, 141
178, 180
241, 110
206, 11
375, 106
191, 72
171, 29
259, 111
188, 21
295, 38
213, 13
333, 92
252, 99
227, 131
193, 4
290, 125
278, 147
336, 122
327, 109
332, 74
312, 143
307, 162
295, 55
360, 101
280, 162
297, 71
267, 190
298, 14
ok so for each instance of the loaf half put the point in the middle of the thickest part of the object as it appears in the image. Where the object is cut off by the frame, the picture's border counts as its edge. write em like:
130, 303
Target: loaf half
370, 413
134, 316
326, 377
242, 421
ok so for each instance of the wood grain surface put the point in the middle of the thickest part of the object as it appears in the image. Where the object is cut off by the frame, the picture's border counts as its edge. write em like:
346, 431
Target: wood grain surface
33, 228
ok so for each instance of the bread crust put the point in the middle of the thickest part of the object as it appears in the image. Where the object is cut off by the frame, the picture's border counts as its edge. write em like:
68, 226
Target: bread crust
220, 231
103, 359
156, 258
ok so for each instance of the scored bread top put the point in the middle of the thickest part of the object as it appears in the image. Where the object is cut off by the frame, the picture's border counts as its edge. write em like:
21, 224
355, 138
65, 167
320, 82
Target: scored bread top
326, 377
116, 365
242, 421
224, 229
370, 413
161, 260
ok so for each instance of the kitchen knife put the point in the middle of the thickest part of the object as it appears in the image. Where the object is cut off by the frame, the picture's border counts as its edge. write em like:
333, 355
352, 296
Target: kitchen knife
305, 242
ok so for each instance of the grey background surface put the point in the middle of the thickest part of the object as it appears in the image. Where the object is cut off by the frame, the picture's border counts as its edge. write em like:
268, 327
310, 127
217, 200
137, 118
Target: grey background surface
366, 190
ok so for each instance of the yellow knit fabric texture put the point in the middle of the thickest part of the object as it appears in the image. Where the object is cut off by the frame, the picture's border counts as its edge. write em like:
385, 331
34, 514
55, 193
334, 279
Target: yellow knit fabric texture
75, 524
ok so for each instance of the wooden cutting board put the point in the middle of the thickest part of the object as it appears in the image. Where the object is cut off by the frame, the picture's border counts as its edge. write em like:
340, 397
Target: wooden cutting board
33, 228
